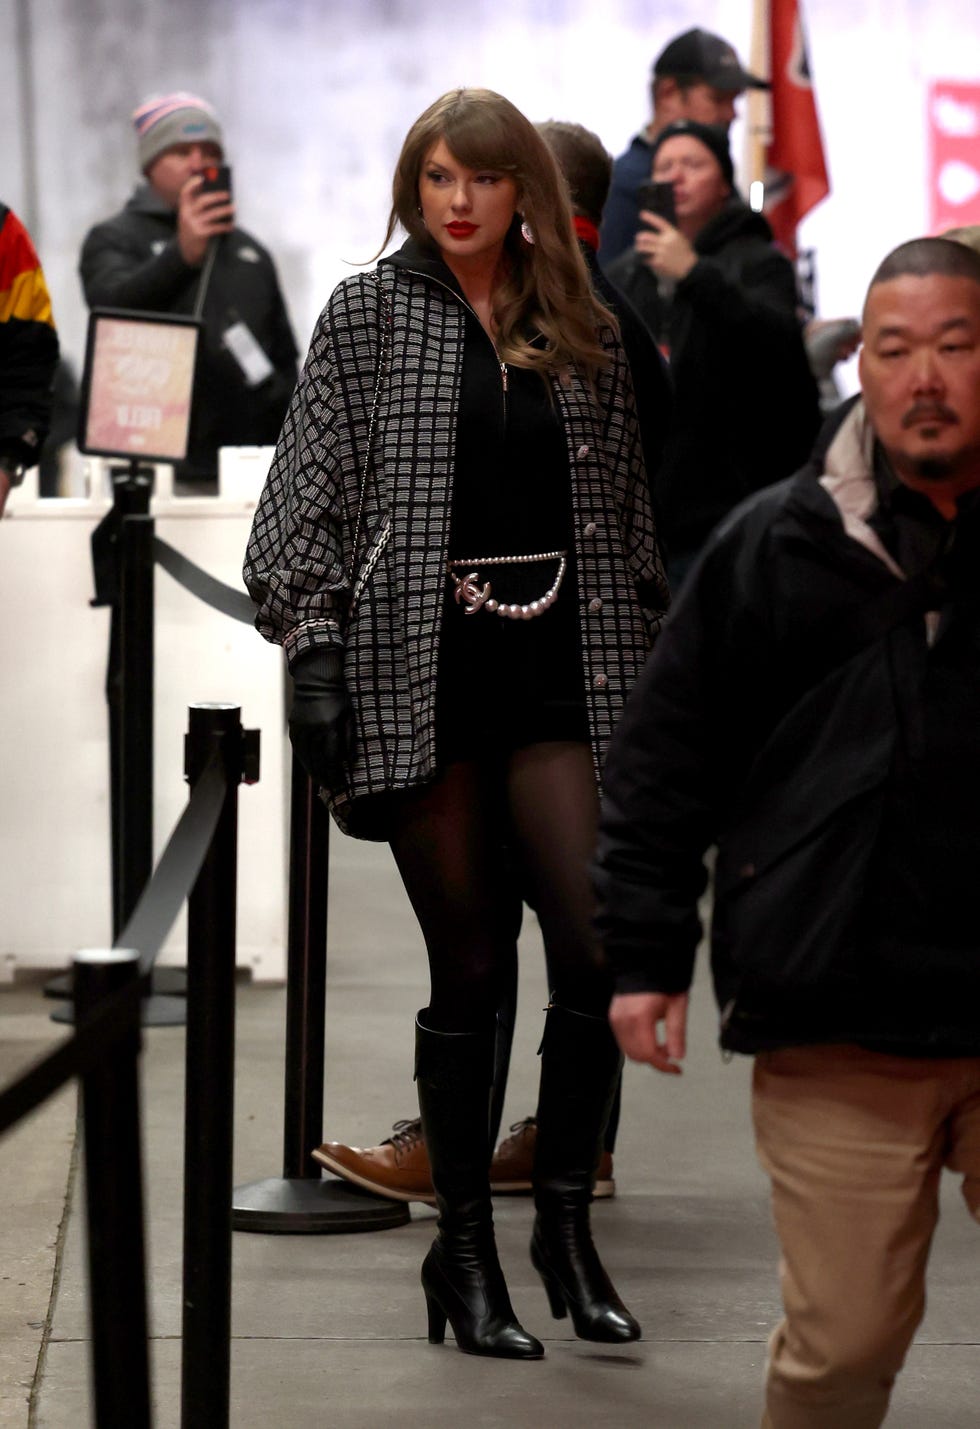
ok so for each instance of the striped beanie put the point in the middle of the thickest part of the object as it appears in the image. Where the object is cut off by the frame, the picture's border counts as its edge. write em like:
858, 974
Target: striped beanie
169, 119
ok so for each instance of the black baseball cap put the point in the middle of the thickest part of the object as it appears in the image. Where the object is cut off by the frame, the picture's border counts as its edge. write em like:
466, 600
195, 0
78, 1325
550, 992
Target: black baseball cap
702, 53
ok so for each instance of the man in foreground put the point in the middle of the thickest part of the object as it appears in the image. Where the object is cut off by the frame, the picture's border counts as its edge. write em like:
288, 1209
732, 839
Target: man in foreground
813, 709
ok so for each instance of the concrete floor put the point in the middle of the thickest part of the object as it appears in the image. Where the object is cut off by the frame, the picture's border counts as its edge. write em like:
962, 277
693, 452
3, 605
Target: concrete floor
331, 1329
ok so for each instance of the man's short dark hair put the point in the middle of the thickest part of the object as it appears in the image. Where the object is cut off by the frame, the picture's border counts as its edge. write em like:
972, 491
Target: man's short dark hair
925, 257
683, 82
585, 162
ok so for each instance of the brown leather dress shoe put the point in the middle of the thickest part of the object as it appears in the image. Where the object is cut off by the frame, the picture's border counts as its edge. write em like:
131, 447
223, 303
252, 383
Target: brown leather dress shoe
398, 1168
511, 1167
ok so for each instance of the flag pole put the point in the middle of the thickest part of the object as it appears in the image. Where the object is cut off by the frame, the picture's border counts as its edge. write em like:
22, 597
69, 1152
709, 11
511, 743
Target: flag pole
758, 110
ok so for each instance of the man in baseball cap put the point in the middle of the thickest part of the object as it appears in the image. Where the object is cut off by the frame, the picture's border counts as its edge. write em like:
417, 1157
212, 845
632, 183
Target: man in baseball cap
699, 58
697, 76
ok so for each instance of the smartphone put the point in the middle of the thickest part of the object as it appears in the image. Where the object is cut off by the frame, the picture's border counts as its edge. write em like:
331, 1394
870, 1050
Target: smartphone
659, 199
215, 178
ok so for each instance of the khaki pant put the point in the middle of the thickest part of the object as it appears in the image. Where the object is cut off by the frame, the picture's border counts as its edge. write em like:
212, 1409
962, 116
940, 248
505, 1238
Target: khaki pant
854, 1143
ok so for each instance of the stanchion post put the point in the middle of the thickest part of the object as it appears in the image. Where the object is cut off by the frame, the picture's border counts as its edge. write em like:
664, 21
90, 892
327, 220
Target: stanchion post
131, 739
210, 1085
306, 987
301, 1201
131, 490
136, 711
114, 1198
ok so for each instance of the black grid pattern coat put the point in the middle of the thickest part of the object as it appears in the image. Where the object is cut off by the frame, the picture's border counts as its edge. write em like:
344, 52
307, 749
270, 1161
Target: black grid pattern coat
374, 585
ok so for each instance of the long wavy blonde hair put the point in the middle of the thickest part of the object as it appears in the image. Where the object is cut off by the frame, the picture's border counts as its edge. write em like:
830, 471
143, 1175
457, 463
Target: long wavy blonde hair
545, 288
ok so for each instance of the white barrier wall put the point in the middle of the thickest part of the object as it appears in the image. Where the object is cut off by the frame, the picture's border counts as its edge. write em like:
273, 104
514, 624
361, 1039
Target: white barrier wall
54, 834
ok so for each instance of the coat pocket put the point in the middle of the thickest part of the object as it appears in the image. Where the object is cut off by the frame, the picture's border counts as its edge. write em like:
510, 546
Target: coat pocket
369, 560
791, 923
792, 867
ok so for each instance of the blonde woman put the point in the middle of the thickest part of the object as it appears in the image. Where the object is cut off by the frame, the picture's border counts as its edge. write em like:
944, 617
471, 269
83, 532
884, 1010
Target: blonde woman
456, 550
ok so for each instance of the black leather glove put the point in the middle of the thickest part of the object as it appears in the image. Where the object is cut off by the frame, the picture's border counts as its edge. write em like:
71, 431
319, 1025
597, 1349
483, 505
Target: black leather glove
320, 715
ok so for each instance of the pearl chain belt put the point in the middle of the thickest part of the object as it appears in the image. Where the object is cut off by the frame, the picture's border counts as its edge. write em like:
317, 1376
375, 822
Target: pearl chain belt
475, 597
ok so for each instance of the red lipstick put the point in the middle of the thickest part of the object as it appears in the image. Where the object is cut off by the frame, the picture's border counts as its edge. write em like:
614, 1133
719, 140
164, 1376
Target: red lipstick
460, 229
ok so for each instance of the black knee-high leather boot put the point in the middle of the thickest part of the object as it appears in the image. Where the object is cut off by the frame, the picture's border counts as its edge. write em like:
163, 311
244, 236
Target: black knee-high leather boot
461, 1275
580, 1067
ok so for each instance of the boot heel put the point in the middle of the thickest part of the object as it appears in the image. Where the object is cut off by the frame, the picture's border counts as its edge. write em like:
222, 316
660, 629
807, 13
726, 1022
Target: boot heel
437, 1321
552, 1289
461, 1276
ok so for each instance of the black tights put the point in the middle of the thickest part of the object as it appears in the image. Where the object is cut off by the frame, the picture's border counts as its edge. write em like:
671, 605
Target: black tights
470, 845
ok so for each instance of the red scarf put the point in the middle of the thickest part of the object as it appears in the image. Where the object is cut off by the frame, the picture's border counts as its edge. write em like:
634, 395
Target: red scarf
587, 231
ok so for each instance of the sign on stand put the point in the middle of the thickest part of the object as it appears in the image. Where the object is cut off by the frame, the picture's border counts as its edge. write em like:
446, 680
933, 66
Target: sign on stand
137, 385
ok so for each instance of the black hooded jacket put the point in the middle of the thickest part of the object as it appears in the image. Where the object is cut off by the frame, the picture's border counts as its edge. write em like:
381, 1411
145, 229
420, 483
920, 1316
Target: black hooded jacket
802, 713
28, 346
132, 262
746, 408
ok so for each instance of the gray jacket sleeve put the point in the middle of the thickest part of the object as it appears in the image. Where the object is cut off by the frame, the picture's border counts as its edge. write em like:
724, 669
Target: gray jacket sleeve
297, 560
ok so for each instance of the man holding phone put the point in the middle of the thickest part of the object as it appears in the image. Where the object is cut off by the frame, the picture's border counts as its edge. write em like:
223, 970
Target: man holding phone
175, 248
697, 76
720, 299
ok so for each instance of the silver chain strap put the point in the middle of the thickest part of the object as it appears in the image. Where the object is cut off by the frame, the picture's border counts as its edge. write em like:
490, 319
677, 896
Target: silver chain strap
384, 353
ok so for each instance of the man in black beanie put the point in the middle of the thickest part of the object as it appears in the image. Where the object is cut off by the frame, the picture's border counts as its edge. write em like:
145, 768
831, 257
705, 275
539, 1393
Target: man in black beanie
721, 301
697, 76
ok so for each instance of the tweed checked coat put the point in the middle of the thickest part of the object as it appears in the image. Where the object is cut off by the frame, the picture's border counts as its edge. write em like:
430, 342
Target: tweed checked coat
350, 538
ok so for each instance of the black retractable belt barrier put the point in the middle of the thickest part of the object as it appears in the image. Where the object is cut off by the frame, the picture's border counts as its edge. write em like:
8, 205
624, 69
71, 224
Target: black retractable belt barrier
301, 1201
123, 557
124, 552
224, 598
210, 1081
114, 1197
103, 1053
134, 854
152, 920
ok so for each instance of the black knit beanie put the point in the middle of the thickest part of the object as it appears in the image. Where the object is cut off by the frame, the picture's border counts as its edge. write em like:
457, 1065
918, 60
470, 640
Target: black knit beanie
712, 136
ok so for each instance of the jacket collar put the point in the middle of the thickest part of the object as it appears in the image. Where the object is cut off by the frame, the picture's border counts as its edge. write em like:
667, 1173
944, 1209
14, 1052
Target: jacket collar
145, 199
849, 481
413, 257
735, 220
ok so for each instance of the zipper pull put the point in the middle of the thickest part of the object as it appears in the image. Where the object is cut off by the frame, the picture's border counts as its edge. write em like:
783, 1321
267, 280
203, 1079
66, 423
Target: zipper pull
503, 374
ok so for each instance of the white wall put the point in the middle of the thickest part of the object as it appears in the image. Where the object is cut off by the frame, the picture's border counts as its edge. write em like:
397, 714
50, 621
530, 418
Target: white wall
316, 96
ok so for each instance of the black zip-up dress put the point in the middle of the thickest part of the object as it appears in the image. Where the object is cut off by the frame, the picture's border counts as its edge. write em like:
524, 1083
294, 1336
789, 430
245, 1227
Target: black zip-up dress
502, 682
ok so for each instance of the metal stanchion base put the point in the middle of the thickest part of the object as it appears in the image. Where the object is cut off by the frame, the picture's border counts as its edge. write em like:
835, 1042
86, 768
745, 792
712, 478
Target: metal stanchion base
311, 1206
155, 1011
171, 982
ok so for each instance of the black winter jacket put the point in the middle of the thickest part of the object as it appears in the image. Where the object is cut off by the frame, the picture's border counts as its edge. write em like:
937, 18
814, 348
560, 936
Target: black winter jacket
795, 714
28, 346
653, 390
132, 262
746, 408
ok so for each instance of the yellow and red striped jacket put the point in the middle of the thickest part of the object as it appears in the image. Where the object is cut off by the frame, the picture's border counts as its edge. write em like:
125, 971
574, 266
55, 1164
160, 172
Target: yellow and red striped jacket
28, 345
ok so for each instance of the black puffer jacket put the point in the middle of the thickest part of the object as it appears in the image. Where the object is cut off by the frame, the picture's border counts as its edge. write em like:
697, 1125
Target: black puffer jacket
746, 409
795, 714
132, 262
28, 346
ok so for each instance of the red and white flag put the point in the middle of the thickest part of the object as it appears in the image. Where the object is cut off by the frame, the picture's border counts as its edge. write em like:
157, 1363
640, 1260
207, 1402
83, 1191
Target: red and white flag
954, 154
787, 147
